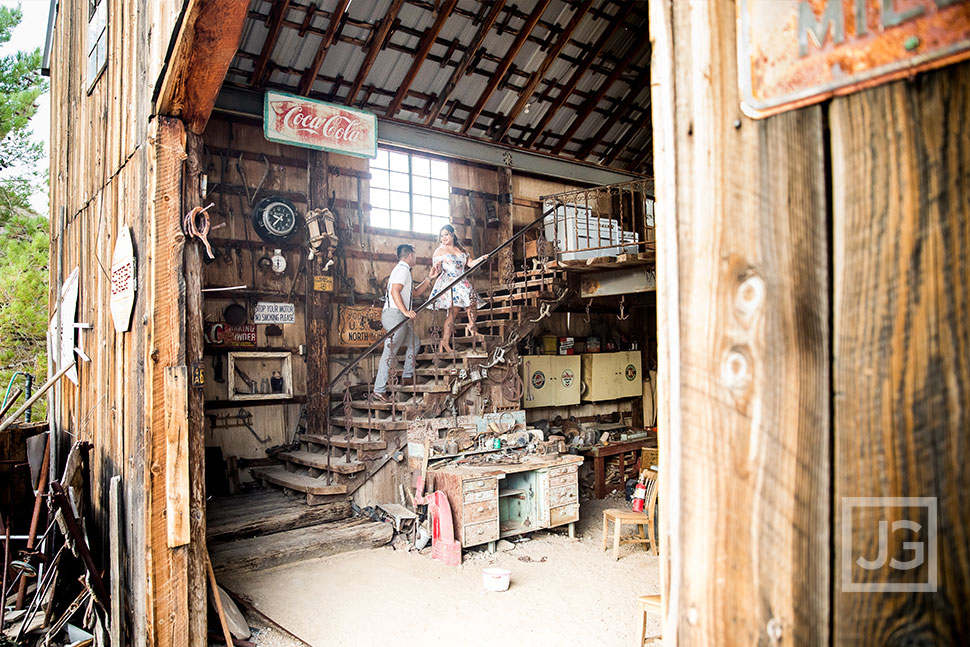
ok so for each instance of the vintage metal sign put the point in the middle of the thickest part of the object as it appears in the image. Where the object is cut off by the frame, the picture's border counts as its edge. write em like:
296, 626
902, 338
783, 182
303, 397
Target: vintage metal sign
359, 325
323, 283
793, 53
220, 333
291, 119
274, 313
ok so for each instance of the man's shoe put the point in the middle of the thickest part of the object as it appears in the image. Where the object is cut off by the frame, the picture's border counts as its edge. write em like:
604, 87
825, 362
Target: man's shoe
380, 397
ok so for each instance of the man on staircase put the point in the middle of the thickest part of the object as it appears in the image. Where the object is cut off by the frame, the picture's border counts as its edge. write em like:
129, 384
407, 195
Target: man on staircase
397, 308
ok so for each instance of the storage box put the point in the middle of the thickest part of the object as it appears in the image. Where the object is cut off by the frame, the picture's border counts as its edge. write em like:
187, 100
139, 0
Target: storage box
609, 376
592, 344
567, 346
253, 376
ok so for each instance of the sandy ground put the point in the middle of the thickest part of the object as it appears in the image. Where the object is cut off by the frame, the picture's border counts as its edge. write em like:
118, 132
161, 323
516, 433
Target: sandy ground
563, 592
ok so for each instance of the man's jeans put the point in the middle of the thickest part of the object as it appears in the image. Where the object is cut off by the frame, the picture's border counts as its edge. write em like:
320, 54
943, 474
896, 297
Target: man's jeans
404, 336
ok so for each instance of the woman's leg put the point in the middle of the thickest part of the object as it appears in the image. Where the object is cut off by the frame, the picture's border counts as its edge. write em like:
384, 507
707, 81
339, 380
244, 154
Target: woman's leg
449, 330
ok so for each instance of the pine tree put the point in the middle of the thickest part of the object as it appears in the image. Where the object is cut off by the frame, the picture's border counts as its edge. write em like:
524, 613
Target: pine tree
23, 233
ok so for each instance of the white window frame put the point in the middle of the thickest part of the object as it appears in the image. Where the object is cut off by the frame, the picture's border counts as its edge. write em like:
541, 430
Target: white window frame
97, 41
409, 192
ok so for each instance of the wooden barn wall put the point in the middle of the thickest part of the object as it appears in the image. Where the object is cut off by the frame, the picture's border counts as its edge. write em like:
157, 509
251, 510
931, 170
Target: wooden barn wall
231, 145
101, 178
813, 346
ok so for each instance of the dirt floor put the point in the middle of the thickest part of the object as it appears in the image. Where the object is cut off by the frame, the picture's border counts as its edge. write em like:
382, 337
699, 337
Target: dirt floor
563, 591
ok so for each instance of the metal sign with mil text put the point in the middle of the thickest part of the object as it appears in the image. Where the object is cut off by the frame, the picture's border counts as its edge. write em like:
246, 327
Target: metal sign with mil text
793, 53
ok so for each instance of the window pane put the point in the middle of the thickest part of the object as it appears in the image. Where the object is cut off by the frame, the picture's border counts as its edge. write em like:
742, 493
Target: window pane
380, 218
422, 223
380, 198
381, 160
399, 182
379, 179
399, 161
438, 223
439, 188
422, 186
421, 166
422, 204
401, 220
439, 170
439, 208
400, 201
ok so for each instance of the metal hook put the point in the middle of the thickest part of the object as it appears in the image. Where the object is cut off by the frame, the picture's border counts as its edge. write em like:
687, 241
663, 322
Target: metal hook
589, 305
622, 316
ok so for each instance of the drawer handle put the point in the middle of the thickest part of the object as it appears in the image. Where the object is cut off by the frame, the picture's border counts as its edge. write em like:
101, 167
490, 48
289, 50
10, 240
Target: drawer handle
480, 484
481, 531
481, 508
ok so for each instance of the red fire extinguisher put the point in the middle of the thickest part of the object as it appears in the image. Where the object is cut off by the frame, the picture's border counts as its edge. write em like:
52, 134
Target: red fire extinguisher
639, 494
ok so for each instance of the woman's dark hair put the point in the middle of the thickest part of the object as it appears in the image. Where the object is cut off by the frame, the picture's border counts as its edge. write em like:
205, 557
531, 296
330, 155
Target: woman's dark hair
454, 237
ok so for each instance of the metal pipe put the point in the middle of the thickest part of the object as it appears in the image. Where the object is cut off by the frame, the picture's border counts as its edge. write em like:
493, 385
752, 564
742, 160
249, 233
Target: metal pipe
48, 384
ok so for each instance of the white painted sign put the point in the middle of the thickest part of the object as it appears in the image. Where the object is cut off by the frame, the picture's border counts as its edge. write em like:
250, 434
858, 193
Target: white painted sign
291, 119
122, 280
274, 313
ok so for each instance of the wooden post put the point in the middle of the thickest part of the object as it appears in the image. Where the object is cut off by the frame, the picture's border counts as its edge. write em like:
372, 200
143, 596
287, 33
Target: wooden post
901, 222
506, 257
744, 347
318, 306
194, 342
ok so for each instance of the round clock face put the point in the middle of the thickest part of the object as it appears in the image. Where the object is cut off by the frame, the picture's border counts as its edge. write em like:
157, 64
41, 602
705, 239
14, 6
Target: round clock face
275, 219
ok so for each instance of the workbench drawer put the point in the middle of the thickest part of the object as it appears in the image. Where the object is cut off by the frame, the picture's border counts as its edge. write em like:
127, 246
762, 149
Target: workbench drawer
559, 480
564, 514
563, 495
474, 485
479, 533
562, 469
480, 495
481, 511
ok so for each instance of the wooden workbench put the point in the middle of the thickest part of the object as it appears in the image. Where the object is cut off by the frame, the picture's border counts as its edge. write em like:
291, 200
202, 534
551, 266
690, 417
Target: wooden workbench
492, 501
628, 468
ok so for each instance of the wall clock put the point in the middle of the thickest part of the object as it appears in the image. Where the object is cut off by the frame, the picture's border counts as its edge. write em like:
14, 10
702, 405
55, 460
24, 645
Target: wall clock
275, 219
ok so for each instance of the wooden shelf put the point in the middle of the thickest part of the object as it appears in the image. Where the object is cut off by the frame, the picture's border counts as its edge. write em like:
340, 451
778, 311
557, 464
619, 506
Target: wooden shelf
245, 404
510, 492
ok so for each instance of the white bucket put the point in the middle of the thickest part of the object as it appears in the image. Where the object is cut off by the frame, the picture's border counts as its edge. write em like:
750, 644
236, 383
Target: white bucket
496, 579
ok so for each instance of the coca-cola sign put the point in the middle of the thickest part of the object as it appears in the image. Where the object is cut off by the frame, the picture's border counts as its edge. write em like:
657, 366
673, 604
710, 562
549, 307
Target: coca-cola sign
290, 119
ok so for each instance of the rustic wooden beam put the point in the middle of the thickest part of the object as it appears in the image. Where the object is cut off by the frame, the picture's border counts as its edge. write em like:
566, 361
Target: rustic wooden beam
540, 73
641, 157
900, 174
505, 225
379, 35
744, 344
581, 70
621, 112
317, 305
470, 53
601, 91
427, 41
276, 17
503, 67
310, 74
204, 47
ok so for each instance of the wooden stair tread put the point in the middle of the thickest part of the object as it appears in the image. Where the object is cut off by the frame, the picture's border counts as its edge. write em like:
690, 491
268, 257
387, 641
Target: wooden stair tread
336, 441
319, 461
278, 475
362, 422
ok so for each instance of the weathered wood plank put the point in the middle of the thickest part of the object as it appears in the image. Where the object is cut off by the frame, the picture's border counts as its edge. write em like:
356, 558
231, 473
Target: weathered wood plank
303, 543
177, 455
901, 203
267, 513
204, 47
743, 287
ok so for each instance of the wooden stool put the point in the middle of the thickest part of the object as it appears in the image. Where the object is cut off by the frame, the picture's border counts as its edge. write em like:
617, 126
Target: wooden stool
621, 516
649, 603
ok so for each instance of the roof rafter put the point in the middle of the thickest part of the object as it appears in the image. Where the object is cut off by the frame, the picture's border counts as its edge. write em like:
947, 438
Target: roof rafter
540, 73
503, 67
578, 74
621, 112
465, 61
379, 36
276, 17
618, 148
310, 75
427, 41
601, 91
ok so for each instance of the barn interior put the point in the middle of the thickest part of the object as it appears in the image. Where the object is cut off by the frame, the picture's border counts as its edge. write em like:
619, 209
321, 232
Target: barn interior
525, 126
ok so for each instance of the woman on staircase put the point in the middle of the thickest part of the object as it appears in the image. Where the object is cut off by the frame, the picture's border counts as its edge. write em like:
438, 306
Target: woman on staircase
452, 260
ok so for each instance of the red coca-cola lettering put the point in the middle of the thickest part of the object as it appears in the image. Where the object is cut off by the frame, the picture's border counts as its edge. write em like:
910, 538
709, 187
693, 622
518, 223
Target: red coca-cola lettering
341, 128
296, 119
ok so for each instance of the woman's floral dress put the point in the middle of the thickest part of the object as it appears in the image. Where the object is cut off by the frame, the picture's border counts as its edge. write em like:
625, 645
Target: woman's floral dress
462, 294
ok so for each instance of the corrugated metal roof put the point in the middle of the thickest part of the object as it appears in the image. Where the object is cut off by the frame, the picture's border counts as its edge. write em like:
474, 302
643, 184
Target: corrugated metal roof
292, 54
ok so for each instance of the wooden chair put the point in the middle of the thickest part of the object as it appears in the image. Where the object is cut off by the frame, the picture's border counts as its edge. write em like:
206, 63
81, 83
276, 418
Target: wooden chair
648, 604
622, 516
